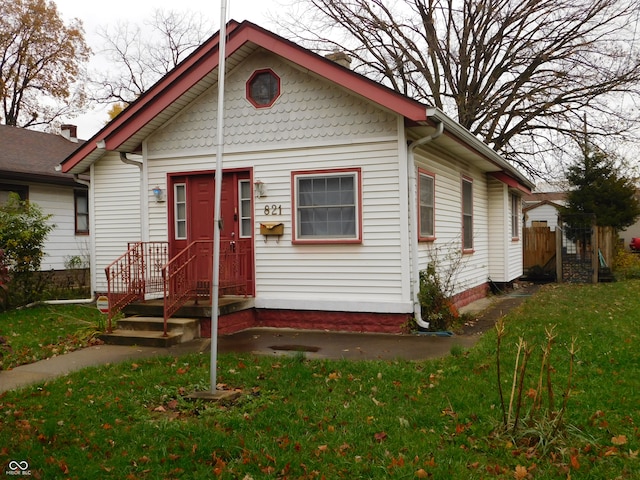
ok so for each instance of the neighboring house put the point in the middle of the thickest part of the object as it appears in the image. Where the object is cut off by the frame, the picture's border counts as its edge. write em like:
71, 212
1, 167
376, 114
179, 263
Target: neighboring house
542, 209
633, 231
338, 189
28, 161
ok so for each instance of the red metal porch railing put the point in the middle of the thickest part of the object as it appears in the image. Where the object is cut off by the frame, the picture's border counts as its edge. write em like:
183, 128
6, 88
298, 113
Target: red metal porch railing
188, 276
135, 273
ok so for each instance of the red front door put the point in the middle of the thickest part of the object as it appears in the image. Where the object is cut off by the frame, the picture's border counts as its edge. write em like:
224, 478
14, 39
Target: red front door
192, 218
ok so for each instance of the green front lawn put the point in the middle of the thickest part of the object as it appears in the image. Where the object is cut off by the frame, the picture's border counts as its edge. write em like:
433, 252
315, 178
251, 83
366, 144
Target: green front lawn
43, 331
299, 418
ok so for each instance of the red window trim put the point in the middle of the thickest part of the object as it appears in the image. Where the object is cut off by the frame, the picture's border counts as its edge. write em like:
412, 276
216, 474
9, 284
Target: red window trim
515, 201
248, 88
467, 179
294, 203
432, 238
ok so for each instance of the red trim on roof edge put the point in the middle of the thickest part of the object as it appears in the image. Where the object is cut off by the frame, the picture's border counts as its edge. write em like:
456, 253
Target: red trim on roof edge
510, 181
204, 60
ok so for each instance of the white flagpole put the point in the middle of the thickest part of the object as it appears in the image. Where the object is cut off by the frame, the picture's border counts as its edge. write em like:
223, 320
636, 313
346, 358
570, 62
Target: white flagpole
218, 195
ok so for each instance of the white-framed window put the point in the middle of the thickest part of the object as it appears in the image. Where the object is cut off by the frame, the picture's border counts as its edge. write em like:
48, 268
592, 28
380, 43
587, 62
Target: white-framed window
244, 200
426, 204
515, 216
467, 214
180, 210
81, 206
327, 206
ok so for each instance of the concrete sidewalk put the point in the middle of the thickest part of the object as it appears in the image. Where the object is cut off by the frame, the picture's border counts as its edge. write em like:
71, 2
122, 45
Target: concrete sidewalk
275, 342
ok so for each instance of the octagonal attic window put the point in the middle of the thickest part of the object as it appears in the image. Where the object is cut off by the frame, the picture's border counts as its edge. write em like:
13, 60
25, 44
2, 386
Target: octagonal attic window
263, 88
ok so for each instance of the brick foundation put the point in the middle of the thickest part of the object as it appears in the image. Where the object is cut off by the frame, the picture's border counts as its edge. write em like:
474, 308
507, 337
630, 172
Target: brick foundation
325, 320
335, 321
471, 295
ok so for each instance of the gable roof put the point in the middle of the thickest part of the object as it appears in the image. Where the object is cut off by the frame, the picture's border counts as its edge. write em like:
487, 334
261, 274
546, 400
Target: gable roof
555, 205
28, 155
198, 72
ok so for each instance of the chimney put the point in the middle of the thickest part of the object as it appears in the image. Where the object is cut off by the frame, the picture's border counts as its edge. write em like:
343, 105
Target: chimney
70, 132
340, 58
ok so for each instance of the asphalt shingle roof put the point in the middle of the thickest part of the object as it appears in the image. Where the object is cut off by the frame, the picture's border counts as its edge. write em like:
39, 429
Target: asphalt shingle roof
32, 156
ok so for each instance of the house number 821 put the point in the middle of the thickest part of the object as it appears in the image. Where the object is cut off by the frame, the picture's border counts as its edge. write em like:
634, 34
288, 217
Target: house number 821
273, 209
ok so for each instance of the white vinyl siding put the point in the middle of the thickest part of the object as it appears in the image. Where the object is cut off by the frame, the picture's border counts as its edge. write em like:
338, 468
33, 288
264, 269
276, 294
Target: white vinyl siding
116, 200
62, 243
311, 127
466, 271
505, 251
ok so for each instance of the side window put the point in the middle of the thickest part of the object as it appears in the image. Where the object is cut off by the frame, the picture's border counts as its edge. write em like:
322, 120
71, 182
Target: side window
6, 189
426, 204
515, 217
467, 214
244, 192
327, 206
81, 203
180, 210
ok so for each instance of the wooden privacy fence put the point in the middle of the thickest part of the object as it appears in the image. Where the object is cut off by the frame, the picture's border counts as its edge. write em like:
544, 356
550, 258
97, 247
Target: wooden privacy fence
541, 249
539, 245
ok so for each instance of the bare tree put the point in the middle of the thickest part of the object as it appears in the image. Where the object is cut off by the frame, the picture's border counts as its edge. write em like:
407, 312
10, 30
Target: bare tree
520, 74
139, 55
41, 62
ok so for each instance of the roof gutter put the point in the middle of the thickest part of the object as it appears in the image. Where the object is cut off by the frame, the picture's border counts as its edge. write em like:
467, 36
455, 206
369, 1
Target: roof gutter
482, 148
413, 220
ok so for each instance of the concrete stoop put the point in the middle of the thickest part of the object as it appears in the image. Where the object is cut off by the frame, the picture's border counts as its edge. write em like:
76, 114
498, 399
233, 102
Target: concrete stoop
148, 331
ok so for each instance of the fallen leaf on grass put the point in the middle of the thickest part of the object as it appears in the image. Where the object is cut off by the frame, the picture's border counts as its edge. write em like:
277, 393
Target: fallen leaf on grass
422, 473
520, 473
380, 436
574, 462
619, 440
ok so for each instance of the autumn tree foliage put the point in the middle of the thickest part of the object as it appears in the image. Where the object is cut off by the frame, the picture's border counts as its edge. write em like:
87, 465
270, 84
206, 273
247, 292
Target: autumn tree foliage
41, 59
518, 74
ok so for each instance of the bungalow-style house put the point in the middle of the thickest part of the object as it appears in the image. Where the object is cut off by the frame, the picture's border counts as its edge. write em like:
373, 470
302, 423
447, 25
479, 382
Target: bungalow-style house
28, 161
336, 192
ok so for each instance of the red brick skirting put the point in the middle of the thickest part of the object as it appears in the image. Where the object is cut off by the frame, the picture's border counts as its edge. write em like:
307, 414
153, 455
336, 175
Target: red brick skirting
471, 295
325, 320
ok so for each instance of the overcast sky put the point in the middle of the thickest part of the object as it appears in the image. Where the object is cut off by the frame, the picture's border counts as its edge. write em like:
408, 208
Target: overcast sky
102, 14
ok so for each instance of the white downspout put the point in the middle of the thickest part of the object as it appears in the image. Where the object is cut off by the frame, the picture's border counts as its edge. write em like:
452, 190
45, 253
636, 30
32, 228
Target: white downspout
144, 212
413, 222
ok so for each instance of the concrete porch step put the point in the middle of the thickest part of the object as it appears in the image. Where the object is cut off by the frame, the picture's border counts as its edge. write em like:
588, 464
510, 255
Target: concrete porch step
148, 331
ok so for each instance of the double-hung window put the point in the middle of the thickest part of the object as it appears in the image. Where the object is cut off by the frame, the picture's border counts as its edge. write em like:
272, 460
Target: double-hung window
81, 200
515, 217
426, 203
467, 214
327, 206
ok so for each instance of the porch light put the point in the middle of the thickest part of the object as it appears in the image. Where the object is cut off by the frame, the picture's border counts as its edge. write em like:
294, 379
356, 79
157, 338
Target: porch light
159, 194
260, 189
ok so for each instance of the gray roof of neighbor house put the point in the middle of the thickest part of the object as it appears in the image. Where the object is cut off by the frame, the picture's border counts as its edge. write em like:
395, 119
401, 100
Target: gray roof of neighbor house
32, 156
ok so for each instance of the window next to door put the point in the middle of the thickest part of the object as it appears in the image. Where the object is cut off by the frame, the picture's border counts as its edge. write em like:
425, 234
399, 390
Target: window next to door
327, 206
180, 210
244, 200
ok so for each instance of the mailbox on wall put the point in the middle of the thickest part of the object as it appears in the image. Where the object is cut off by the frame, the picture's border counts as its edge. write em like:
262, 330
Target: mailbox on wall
275, 229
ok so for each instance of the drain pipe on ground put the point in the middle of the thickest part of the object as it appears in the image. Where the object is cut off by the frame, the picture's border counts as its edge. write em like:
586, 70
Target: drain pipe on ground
413, 222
